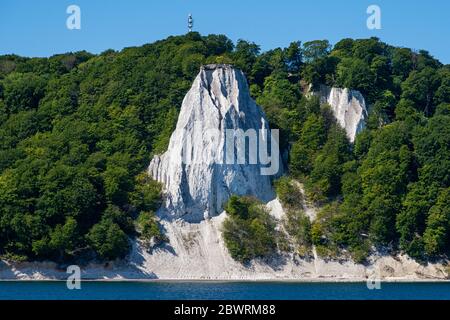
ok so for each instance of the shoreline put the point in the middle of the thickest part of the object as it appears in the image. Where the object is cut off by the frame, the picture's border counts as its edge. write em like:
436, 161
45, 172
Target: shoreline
211, 281
206, 259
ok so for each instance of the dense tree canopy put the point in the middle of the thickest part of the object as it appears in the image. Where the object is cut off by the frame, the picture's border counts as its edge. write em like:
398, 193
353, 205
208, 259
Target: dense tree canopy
77, 130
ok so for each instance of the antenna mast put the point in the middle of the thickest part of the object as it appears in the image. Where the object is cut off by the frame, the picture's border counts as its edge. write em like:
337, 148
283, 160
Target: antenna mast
190, 22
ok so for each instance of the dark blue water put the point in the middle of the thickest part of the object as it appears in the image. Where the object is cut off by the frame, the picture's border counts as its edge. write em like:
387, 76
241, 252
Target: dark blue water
221, 291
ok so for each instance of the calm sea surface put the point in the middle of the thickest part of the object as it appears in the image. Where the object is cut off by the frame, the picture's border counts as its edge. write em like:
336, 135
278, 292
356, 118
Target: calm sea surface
220, 291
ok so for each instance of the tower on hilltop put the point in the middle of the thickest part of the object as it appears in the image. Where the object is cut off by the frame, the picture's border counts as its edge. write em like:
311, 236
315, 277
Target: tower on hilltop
190, 22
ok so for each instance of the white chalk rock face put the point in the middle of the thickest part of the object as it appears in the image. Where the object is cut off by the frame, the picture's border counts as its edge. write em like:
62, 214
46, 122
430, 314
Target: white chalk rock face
202, 168
349, 108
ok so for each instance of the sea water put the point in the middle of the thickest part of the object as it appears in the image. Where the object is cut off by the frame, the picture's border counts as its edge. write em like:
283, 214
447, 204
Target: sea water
176, 290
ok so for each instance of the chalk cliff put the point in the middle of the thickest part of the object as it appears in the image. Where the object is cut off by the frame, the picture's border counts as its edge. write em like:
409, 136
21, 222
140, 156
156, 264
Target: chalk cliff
204, 164
348, 106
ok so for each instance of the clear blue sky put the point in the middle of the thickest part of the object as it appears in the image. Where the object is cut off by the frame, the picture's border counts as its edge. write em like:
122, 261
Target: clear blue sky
38, 28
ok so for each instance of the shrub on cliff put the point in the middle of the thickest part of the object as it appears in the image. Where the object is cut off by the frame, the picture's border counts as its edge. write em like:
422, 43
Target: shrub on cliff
249, 231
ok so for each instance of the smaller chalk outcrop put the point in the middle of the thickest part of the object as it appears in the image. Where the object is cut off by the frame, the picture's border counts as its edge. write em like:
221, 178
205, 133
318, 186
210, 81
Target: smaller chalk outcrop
348, 106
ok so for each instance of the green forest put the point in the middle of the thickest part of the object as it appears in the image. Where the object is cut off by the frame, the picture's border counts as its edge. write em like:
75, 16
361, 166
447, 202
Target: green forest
78, 131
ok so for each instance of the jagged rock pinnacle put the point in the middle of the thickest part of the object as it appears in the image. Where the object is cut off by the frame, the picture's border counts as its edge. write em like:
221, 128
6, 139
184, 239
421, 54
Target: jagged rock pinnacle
197, 187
